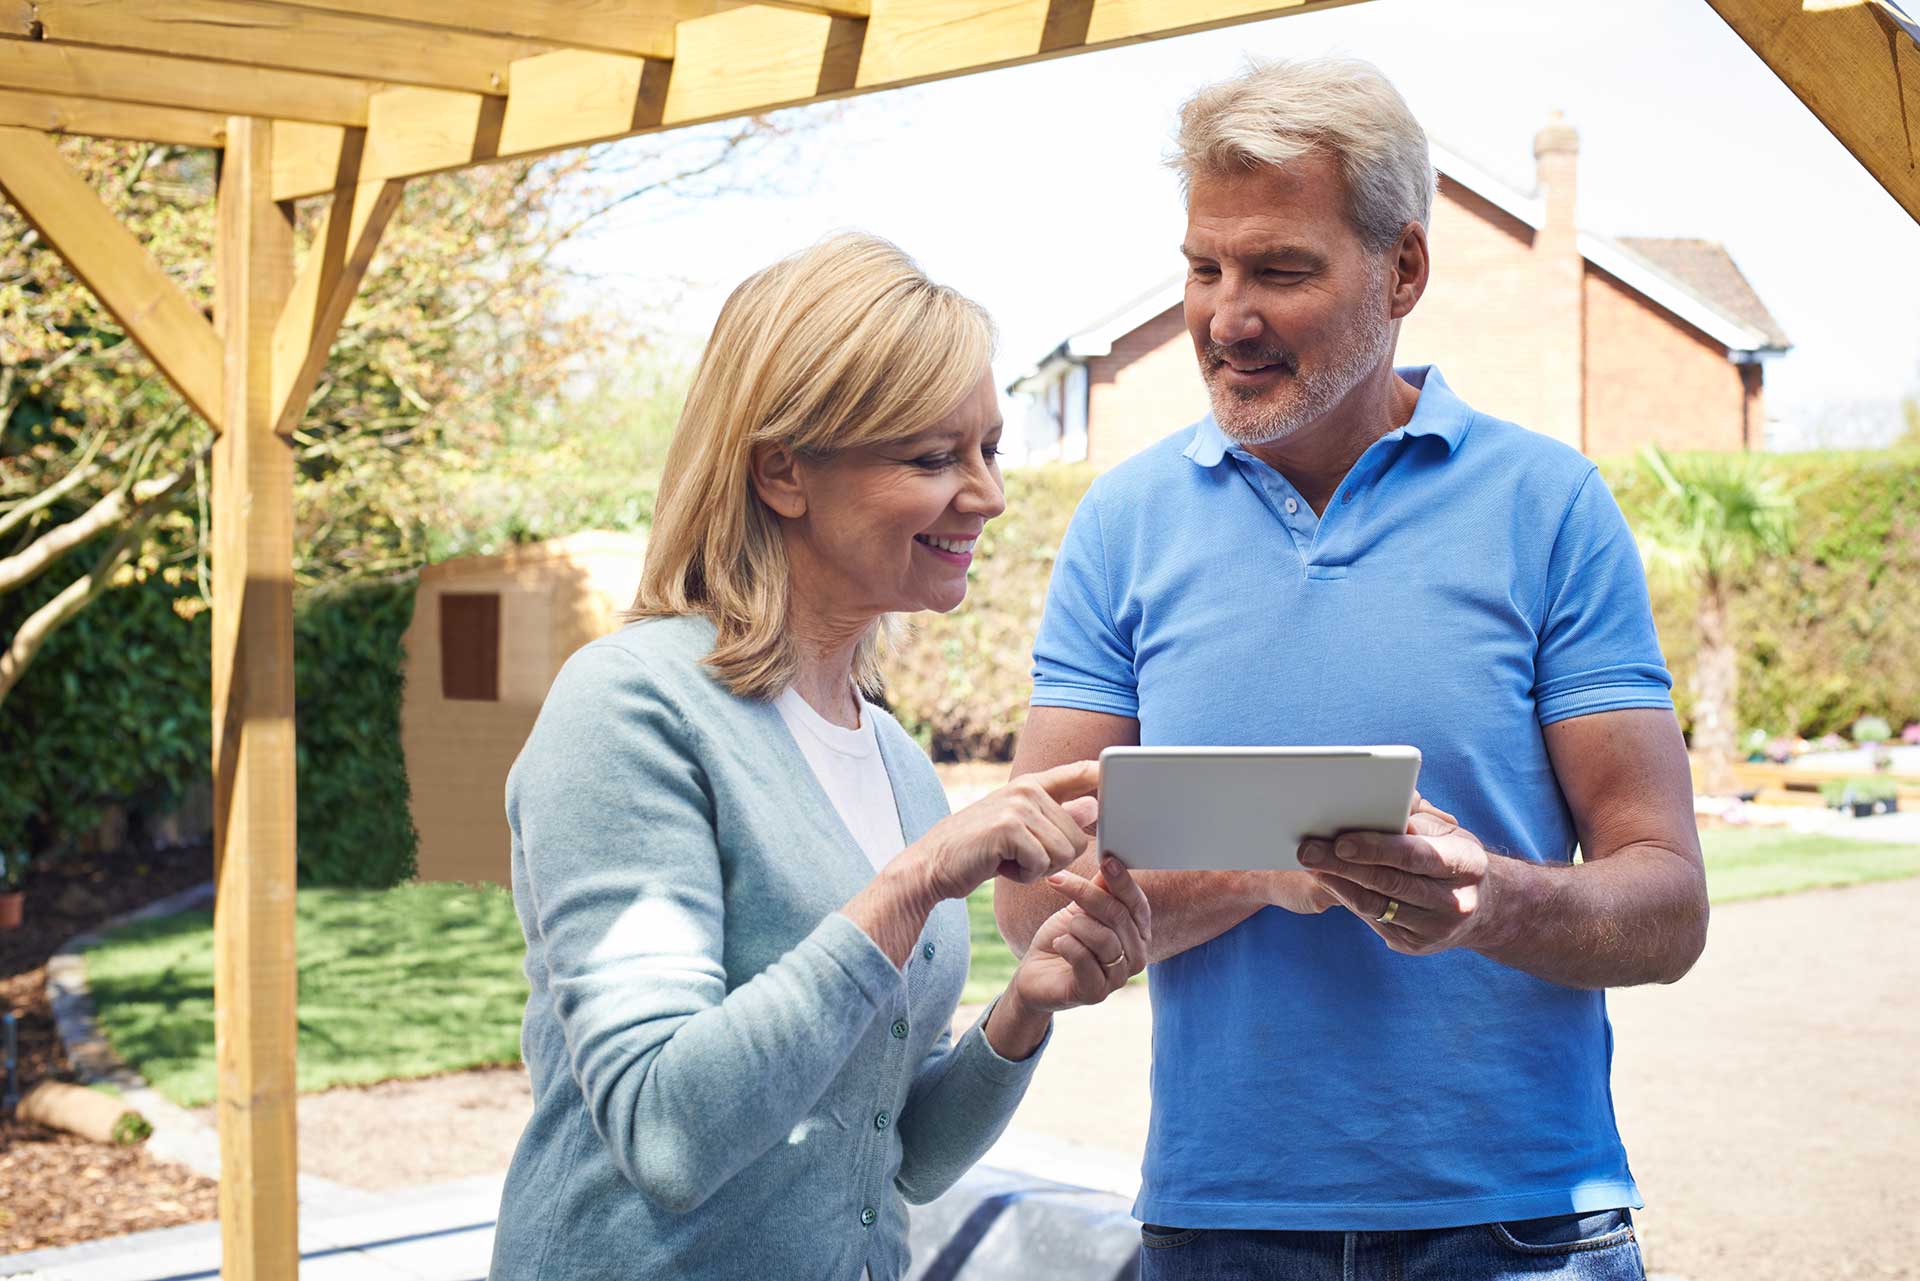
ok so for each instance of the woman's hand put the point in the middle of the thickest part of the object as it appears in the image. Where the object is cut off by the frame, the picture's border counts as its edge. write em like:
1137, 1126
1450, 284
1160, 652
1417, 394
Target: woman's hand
1023, 831
1088, 949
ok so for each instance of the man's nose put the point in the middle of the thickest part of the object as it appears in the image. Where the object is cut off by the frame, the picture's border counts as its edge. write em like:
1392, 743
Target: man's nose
1234, 318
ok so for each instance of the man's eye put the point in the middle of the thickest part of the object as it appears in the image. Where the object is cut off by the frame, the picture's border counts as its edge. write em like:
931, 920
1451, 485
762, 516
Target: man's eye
1203, 273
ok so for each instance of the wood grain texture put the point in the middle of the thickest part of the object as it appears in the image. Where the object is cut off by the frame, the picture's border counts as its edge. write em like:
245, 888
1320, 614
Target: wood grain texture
1856, 68
94, 118
253, 740
155, 312
118, 75
278, 36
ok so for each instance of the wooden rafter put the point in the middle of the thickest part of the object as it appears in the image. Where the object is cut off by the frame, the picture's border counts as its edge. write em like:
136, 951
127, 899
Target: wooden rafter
1857, 67
747, 59
51, 113
342, 249
119, 75
289, 39
155, 312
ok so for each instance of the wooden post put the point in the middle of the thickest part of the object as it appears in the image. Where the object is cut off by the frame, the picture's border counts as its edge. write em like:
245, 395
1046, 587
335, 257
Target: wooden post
253, 744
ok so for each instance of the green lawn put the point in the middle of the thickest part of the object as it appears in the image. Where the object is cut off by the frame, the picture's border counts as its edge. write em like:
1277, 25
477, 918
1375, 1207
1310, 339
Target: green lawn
393, 984
426, 978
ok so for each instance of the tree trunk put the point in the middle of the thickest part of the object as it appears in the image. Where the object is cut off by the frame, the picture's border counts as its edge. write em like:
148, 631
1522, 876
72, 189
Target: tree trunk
1714, 685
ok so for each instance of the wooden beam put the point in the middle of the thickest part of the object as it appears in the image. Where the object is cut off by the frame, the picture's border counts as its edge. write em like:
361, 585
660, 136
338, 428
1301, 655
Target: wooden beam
253, 740
736, 62
92, 118
269, 35
119, 76
1855, 65
155, 312
336, 263
610, 26
751, 59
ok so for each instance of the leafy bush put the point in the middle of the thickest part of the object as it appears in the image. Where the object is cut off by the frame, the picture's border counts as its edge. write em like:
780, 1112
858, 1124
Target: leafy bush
114, 709
1871, 729
1828, 635
355, 816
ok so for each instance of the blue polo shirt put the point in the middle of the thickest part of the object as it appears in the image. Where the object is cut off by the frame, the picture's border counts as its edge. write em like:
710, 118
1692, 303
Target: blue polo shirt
1470, 583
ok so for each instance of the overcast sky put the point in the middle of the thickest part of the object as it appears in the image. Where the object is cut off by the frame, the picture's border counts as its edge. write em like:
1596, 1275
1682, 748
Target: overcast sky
1040, 191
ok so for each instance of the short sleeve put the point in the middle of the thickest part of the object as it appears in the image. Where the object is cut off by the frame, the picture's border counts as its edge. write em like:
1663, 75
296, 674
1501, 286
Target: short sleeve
1598, 650
1080, 659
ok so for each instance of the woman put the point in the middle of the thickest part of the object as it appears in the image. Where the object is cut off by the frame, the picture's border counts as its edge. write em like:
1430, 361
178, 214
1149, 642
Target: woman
739, 884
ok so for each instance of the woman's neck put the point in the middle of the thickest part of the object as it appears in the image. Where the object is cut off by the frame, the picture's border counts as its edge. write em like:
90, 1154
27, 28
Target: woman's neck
825, 648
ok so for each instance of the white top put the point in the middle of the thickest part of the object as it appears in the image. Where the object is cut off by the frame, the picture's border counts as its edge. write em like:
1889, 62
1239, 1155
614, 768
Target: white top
847, 762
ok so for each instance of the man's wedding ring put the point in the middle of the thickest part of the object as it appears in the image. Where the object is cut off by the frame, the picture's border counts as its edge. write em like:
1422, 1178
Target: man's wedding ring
1386, 917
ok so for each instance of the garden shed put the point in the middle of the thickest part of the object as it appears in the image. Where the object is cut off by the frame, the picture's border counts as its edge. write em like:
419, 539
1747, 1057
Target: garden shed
489, 633
347, 100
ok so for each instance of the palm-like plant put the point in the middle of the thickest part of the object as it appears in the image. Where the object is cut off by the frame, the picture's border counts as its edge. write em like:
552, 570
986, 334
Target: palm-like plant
1716, 516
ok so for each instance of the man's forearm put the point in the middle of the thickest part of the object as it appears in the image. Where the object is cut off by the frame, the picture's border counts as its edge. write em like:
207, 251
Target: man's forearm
1189, 908
1638, 915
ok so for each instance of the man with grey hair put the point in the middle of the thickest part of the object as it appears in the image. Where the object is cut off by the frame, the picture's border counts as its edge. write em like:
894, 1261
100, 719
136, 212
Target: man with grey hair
1394, 1063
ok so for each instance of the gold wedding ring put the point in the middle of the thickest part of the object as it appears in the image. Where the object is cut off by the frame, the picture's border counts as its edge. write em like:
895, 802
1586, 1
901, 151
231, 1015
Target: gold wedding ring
1386, 917
1119, 960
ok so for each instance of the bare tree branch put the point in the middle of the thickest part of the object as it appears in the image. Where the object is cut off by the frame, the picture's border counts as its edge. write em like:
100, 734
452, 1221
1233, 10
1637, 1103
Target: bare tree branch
138, 502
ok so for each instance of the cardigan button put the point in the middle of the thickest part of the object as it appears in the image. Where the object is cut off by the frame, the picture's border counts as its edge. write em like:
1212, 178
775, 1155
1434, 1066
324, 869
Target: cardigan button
868, 1217
881, 1121
927, 951
899, 1029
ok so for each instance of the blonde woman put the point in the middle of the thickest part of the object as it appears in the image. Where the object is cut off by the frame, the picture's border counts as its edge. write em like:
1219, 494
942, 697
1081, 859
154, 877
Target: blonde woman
739, 883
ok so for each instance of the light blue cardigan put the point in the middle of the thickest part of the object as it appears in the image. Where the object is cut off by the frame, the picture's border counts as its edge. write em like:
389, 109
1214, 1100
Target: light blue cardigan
730, 1079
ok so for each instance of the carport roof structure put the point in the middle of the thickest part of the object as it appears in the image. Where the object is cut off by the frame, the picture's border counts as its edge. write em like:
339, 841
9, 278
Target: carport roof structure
347, 99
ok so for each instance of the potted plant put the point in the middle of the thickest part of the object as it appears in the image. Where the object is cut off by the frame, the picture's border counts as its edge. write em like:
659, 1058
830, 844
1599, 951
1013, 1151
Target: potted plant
1871, 731
13, 867
1864, 796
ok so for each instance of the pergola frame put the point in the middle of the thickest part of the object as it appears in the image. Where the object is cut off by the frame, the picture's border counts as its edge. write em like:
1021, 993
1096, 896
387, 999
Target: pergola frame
350, 98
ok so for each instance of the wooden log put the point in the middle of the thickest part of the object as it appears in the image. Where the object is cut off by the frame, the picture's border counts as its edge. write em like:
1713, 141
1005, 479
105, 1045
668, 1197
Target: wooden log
75, 1109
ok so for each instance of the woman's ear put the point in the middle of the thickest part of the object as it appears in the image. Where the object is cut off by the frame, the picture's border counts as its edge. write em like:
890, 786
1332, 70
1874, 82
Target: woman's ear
774, 470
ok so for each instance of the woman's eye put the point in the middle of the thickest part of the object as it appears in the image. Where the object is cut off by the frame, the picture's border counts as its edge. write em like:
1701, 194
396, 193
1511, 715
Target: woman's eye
933, 462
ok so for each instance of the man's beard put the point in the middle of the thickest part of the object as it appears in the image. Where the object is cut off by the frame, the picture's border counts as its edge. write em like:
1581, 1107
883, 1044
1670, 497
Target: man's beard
1261, 416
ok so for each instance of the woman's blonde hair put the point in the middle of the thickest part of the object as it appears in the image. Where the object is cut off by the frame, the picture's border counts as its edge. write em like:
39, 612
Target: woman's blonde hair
1277, 111
844, 344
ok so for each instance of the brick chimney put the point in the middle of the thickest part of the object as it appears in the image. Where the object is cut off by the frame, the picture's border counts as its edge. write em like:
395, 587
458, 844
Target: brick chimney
1560, 281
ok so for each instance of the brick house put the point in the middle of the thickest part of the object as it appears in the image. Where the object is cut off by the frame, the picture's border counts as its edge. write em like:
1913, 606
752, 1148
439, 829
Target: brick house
1605, 344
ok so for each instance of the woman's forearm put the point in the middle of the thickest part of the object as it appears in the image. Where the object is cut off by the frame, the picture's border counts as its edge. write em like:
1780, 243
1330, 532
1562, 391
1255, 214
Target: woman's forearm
894, 906
1014, 1029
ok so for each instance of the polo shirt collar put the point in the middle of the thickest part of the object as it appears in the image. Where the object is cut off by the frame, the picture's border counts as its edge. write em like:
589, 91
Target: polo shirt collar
1437, 413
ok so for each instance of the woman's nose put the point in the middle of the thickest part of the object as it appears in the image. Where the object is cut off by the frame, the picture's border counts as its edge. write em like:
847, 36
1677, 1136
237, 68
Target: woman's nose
982, 495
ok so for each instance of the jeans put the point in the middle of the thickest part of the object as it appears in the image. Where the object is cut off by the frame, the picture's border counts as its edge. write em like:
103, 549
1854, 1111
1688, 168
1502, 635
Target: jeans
1590, 1247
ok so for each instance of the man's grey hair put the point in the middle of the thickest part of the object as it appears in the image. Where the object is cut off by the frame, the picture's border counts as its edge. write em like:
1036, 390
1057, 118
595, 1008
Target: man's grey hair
1274, 112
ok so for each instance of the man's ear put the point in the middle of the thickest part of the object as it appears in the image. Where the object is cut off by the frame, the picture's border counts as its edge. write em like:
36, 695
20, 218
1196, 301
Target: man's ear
1409, 275
775, 474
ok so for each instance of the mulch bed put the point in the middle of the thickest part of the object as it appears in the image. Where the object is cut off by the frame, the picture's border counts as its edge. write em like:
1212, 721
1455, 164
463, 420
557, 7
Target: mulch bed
57, 1189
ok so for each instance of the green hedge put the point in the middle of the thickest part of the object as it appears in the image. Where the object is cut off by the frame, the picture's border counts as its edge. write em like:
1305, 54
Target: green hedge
115, 710
1832, 633
1828, 636
355, 815
112, 711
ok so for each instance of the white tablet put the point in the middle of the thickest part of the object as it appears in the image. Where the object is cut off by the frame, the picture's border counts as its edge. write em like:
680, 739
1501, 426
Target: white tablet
1246, 808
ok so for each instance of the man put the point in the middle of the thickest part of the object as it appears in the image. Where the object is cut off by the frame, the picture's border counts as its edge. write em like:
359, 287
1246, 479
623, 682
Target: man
1403, 1071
